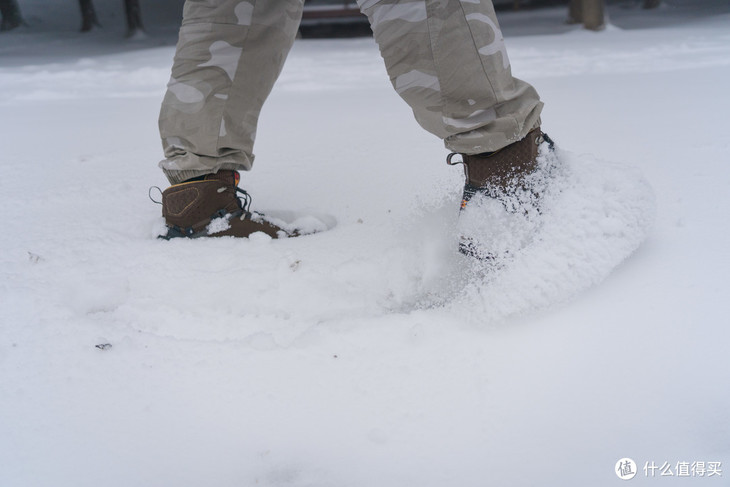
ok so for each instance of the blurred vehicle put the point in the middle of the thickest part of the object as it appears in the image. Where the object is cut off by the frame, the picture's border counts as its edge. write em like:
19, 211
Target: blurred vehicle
340, 18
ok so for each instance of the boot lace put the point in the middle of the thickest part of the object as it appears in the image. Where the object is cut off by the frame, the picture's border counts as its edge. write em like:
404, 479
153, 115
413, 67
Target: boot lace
244, 199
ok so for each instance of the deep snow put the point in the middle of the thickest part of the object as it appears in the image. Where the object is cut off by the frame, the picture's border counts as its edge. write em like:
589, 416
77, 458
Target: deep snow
372, 354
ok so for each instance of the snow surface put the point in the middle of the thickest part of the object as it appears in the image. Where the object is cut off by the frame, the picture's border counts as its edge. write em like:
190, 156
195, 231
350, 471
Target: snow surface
371, 354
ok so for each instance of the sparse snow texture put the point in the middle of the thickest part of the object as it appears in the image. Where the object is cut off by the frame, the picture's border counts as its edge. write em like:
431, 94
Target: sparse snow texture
371, 354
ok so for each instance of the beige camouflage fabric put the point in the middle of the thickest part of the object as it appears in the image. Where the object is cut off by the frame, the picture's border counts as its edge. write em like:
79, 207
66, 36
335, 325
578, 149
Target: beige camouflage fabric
445, 58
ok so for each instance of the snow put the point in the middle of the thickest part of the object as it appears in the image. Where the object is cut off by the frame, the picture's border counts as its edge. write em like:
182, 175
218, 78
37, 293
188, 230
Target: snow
370, 354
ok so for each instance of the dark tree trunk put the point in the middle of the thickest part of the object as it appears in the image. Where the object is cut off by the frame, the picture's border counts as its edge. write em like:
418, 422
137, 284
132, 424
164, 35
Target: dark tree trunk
593, 14
134, 17
652, 3
575, 12
590, 13
88, 16
10, 13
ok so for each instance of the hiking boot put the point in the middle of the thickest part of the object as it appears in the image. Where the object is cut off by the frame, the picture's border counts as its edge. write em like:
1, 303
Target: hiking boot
210, 206
508, 186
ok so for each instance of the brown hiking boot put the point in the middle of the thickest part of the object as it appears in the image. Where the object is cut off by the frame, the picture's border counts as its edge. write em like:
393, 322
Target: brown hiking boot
210, 207
507, 181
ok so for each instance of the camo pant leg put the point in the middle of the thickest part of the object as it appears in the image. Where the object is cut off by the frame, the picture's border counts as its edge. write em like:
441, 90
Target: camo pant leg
228, 57
447, 60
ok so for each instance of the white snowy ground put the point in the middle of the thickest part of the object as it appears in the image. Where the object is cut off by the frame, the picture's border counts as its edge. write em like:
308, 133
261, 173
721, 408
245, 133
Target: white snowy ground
371, 354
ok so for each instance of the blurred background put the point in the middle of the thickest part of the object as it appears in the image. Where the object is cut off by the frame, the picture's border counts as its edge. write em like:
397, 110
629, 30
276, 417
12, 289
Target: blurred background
156, 21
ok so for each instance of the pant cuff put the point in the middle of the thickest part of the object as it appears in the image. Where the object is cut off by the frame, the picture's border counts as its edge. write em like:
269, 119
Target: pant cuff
180, 176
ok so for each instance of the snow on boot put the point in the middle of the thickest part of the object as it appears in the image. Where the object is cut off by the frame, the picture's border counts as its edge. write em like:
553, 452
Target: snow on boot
210, 207
500, 207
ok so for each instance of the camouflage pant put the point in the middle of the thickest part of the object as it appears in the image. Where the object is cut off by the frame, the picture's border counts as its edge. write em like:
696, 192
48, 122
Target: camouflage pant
445, 58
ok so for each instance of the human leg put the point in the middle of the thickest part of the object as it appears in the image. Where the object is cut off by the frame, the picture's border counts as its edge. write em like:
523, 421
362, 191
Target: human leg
448, 61
228, 57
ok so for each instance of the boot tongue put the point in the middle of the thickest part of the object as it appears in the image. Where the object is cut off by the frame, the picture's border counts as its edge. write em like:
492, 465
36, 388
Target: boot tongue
227, 176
